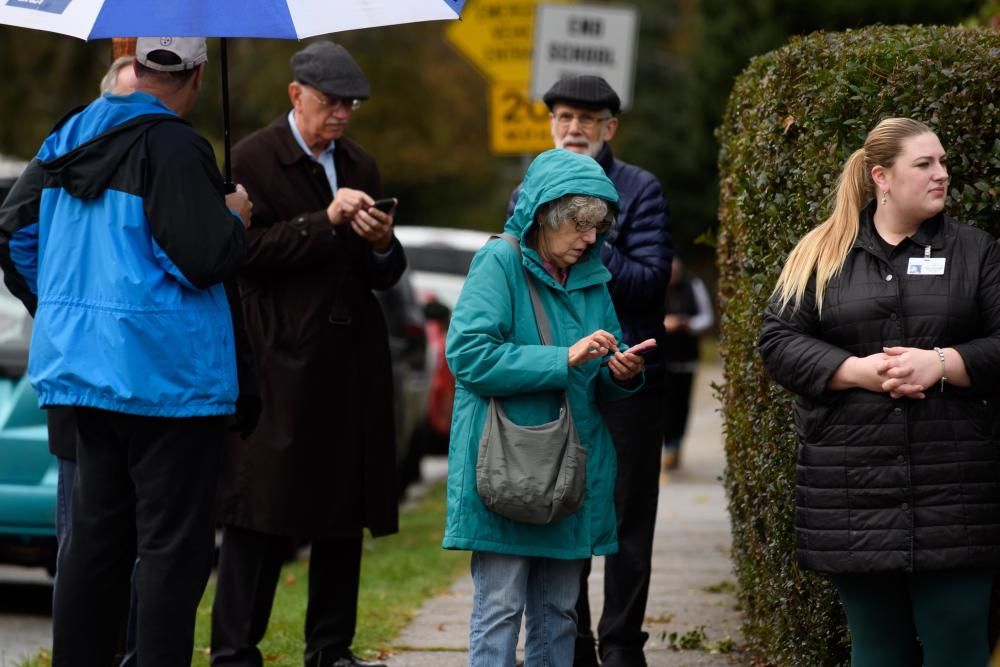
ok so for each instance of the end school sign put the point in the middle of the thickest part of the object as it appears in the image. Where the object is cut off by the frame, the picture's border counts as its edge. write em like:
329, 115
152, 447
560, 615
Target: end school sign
571, 40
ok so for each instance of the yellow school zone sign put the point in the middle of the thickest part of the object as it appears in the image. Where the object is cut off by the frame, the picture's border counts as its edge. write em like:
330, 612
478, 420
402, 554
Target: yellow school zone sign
517, 124
497, 36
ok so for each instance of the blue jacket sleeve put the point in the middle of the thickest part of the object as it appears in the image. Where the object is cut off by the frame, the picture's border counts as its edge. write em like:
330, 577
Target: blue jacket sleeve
639, 255
513, 201
479, 351
19, 235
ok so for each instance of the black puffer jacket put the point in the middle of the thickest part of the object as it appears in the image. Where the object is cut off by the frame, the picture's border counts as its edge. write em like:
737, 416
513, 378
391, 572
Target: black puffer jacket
896, 484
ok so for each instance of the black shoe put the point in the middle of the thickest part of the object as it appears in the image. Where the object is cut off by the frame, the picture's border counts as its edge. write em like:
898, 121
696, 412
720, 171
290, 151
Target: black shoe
351, 660
623, 658
585, 653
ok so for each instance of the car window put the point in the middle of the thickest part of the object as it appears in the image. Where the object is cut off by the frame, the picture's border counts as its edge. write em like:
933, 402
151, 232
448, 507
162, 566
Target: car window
439, 259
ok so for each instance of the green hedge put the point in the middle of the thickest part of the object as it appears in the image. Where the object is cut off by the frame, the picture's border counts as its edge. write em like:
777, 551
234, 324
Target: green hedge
794, 116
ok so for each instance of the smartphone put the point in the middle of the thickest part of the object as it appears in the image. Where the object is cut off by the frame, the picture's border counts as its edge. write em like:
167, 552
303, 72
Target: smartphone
385, 205
645, 346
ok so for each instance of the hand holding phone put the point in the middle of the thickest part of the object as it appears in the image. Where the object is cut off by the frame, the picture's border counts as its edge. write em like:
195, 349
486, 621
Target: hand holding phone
386, 204
645, 346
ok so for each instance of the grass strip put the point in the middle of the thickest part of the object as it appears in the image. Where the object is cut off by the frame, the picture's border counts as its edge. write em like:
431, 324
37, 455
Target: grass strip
398, 573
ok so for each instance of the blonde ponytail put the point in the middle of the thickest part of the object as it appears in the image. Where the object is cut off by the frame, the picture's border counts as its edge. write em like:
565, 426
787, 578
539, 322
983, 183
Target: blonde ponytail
822, 252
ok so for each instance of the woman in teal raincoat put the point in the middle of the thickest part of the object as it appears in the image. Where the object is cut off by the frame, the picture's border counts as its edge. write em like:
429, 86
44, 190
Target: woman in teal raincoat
493, 348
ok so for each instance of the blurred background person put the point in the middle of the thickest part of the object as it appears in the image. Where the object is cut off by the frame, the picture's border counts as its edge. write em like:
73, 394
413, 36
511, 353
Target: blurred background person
689, 314
562, 215
896, 374
120, 79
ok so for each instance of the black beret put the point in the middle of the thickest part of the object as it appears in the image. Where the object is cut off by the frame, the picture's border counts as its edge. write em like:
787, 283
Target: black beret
329, 68
584, 91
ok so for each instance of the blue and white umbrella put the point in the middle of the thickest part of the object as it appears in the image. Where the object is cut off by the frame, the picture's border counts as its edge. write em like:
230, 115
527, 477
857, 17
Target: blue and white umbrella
281, 19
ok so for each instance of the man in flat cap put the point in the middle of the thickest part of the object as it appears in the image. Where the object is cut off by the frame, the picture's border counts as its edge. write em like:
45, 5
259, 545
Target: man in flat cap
117, 238
321, 465
638, 251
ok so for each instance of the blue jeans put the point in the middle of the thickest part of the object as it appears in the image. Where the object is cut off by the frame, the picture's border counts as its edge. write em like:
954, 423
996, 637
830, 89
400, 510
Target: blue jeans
544, 589
64, 499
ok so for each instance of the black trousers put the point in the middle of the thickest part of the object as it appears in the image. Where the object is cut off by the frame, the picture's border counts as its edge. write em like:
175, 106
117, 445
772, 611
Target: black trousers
145, 489
249, 568
636, 426
677, 408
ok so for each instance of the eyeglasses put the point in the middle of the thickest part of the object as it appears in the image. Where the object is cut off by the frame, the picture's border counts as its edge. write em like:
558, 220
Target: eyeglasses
335, 103
585, 120
600, 227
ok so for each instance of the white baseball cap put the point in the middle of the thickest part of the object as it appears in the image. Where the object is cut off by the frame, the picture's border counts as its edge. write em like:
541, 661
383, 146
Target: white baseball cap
192, 51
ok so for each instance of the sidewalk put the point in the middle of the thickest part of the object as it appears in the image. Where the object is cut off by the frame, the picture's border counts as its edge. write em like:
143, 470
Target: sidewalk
692, 585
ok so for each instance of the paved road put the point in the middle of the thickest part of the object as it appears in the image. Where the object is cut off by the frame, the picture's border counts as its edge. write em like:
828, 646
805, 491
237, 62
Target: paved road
692, 579
25, 613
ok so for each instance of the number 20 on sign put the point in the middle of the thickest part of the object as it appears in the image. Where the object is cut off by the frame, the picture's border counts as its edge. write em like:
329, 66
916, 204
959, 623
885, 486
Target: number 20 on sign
517, 124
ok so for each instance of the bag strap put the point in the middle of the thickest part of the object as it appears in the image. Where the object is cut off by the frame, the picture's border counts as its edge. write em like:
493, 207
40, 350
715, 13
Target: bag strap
541, 319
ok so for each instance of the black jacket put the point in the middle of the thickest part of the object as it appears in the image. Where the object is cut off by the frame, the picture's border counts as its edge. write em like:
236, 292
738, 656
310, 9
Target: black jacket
889, 484
322, 462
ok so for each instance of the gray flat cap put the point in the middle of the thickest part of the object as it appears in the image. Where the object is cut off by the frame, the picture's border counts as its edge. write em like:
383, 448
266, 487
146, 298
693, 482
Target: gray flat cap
584, 91
329, 68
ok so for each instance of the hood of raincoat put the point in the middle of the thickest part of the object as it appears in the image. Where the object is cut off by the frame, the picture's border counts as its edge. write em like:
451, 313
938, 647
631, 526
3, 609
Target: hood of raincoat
555, 173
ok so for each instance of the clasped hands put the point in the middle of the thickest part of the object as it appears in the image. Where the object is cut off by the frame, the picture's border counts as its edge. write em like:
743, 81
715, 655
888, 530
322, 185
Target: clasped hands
355, 208
623, 365
899, 371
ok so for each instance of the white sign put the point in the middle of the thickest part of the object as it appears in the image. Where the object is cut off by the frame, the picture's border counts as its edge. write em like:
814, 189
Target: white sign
571, 40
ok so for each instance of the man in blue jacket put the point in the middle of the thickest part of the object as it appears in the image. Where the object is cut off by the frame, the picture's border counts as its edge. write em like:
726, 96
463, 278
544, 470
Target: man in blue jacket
637, 251
117, 238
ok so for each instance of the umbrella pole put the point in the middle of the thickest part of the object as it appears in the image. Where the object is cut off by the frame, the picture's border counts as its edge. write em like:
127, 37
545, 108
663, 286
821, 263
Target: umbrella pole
227, 169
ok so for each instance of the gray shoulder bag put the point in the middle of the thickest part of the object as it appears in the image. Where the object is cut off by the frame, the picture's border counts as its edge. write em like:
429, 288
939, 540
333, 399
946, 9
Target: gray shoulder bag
534, 474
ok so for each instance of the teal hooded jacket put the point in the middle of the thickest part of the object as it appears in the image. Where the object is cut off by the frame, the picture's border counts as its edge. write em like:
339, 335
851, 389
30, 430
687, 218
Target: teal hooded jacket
493, 349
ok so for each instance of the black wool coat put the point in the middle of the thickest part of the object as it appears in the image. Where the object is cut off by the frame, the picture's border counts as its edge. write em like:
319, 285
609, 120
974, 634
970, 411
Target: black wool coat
321, 462
889, 484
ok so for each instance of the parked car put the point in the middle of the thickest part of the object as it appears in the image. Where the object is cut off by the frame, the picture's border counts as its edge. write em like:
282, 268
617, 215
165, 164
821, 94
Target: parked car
439, 259
411, 372
28, 472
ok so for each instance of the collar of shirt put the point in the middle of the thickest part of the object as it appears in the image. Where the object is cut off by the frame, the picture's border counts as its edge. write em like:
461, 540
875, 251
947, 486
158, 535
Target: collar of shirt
562, 275
325, 158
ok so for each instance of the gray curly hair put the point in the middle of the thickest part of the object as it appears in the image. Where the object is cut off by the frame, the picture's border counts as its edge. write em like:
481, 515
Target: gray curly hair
578, 209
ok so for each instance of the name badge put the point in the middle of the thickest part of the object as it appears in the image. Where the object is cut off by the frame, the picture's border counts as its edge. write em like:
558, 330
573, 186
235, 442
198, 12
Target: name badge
925, 266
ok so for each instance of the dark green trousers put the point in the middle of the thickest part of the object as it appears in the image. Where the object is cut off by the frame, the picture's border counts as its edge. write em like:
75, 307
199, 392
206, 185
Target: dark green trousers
946, 610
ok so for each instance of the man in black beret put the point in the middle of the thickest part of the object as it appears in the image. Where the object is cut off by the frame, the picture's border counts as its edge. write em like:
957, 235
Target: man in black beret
638, 252
321, 465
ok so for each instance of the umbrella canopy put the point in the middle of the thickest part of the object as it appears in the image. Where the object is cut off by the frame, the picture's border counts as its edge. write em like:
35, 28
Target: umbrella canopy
282, 19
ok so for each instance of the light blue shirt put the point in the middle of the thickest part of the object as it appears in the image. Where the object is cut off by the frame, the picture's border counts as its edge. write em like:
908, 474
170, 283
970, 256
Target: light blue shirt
325, 158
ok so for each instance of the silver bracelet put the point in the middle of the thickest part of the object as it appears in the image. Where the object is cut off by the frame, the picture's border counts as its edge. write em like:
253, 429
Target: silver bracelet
944, 375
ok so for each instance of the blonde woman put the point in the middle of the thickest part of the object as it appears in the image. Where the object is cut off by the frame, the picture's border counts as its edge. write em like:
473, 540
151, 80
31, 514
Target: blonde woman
885, 323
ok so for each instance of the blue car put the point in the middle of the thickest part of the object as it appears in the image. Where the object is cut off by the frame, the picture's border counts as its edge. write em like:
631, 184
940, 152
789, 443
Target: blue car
28, 472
